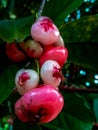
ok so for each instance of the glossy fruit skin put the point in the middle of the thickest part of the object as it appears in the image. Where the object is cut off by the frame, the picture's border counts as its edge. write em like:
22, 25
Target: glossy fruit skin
14, 53
45, 31
25, 80
59, 54
32, 48
60, 42
51, 73
48, 47
39, 105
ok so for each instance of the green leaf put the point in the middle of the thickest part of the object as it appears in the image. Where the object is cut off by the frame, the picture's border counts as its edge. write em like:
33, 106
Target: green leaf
7, 81
78, 106
95, 107
73, 123
80, 38
18, 30
76, 114
50, 126
58, 10
66, 121
83, 54
82, 30
25, 126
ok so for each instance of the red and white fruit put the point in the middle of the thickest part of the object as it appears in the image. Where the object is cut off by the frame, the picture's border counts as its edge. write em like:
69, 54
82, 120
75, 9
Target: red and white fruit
32, 48
25, 80
48, 47
58, 54
51, 73
45, 31
39, 105
60, 42
14, 53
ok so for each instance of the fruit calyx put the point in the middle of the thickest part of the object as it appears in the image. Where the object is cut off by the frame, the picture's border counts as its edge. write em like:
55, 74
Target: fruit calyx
47, 24
58, 73
23, 78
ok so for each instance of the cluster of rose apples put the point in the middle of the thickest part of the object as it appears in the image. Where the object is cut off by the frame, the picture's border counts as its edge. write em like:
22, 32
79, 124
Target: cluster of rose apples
40, 102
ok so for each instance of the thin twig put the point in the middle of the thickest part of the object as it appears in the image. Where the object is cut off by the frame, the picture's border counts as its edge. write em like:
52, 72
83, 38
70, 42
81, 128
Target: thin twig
27, 64
41, 8
78, 90
9, 107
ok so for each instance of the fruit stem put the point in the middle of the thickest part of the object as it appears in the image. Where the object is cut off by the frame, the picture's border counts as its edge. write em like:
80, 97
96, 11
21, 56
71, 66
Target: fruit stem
37, 66
27, 65
78, 90
41, 8
9, 107
58, 74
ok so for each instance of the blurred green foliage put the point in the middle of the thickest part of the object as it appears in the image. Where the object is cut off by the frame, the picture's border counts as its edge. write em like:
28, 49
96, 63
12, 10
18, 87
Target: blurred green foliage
78, 24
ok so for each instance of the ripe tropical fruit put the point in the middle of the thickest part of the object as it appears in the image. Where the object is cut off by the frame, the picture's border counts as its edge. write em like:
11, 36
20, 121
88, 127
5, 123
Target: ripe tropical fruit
45, 31
39, 105
26, 79
51, 73
14, 53
58, 54
32, 48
